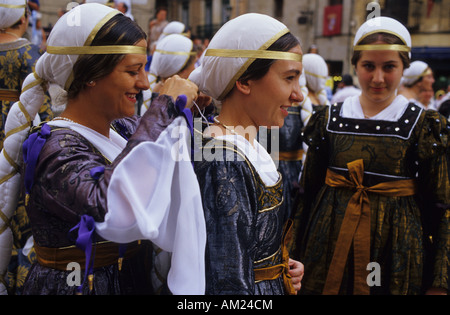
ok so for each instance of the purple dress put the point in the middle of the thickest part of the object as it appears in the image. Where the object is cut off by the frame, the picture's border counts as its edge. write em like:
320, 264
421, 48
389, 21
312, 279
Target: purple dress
69, 181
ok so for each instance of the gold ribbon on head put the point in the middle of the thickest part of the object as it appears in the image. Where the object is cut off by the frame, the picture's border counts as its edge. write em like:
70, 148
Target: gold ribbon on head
382, 47
96, 50
255, 54
13, 6
177, 53
396, 47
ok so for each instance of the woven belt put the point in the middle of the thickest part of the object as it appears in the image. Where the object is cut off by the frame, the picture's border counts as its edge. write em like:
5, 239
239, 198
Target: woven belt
273, 272
9, 95
106, 254
291, 155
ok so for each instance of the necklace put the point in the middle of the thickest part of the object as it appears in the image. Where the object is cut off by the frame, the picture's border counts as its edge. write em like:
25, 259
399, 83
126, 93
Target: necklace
12, 34
65, 119
225, 126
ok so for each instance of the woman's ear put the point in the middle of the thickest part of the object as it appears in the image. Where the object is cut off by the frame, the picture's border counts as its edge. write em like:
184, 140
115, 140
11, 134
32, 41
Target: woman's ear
243, 87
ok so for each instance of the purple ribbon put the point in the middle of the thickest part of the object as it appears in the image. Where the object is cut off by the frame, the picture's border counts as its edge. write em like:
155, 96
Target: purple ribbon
86, 229
96, 172
32, 147
180, 104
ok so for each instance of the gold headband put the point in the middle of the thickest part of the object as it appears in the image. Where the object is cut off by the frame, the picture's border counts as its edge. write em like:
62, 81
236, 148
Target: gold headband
13, 6
424, 73
382, 47
96, 50
315, 75
254, 54
178, 53
183, 34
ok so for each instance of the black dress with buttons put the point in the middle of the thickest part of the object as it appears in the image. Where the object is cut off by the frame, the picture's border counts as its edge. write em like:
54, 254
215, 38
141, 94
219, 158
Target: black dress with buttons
409, 236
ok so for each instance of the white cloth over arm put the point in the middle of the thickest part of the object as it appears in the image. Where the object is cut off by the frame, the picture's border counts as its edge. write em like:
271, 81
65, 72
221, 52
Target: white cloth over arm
154, 194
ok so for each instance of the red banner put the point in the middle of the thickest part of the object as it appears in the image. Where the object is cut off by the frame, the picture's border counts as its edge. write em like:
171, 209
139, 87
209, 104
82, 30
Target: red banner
332, 20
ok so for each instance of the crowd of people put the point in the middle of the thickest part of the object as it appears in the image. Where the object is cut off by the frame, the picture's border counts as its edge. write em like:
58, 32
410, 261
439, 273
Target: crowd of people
155, 176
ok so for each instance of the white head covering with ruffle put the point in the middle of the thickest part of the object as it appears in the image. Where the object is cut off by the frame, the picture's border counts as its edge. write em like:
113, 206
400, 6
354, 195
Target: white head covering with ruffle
383, 25
316, 73
416, 70
76, 28
216, 75
11, 11
173, 27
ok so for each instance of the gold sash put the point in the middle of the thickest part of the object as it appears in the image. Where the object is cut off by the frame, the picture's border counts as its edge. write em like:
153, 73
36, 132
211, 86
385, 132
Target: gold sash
356, 225
273, 272
9, 95
106, 253
290, 155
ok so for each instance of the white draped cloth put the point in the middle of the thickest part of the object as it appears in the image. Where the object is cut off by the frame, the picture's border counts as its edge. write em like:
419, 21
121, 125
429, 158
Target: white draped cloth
154, 194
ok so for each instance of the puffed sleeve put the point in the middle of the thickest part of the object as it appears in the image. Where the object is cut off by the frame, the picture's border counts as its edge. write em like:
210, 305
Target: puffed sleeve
433, 149
229, 215
313, 173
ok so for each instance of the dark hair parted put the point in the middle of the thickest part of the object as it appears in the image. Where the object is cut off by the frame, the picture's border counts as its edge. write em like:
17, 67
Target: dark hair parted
119, 30
389, 39
260, 67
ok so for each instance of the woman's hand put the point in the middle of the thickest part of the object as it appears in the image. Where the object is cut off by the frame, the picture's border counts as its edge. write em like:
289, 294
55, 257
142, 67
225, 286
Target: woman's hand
296, 270
202, 102
176, 86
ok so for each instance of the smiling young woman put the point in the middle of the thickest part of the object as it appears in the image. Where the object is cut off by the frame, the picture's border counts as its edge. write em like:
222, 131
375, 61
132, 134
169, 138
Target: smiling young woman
376, 182
252, 66
89, 173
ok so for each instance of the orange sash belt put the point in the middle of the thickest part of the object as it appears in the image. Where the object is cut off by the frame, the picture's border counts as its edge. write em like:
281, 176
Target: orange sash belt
291, 155
273, 272
356, 225
9, 95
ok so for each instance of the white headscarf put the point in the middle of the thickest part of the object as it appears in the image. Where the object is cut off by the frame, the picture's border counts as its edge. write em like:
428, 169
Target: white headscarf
316, 73
11, 11
247, 35
173, 27
416, 70
171, 55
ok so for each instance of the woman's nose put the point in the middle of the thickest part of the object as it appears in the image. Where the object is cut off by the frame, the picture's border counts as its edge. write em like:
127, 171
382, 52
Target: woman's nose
378, 76
297, 95
142, 82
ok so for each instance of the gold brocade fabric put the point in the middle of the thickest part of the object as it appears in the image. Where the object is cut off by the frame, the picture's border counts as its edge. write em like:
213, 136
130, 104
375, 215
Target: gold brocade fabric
273, 272
416, 147
355, 227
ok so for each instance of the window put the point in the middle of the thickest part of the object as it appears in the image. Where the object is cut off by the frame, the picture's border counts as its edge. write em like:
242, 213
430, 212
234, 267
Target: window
279, 4
185, 12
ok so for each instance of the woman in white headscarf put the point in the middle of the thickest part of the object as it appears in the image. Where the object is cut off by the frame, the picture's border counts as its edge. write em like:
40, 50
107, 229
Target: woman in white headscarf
17, 60
416, 78
252, 65
173, 55
316, 73
376, 182
98, 178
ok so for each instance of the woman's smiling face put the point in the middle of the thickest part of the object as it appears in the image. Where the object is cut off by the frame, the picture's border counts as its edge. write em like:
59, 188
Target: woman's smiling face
120, 87
273, 94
